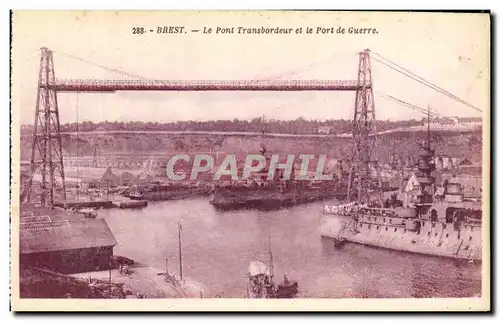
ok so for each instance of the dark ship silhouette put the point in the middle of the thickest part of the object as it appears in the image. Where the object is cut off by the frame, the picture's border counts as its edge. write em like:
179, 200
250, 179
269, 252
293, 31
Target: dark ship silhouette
272, 194
168, 191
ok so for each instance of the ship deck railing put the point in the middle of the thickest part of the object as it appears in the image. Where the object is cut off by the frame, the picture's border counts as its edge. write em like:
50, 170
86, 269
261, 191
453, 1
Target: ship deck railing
363, 210
382, 224
376, 211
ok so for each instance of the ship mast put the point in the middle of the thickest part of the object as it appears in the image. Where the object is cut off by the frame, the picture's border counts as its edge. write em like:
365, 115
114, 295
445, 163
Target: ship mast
263, 147
426, 165
428, 127
271, 266
180, 249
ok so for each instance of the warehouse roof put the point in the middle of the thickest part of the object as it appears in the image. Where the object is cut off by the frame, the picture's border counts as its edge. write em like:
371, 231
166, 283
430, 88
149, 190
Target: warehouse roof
64, 235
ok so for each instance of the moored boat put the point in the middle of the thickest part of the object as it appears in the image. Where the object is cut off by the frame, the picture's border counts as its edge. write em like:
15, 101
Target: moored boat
169, 191
266, 191
272, 198
261, 284
135, 196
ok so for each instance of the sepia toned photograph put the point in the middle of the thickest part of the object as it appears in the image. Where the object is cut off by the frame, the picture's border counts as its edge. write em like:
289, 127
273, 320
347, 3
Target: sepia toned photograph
289, 161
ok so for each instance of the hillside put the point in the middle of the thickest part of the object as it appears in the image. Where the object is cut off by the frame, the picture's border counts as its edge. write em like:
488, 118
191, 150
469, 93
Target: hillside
401, 143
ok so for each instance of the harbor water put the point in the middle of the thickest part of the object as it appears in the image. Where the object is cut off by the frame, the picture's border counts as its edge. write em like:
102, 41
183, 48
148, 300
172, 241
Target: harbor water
217, 248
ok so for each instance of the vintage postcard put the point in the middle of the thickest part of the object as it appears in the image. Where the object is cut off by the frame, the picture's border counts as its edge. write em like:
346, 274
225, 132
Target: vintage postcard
250, 161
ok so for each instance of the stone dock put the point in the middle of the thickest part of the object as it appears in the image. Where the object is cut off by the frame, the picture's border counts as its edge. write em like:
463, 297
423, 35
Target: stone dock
148, 282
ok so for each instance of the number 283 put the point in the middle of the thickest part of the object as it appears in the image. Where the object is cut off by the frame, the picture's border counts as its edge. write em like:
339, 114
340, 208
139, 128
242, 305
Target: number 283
138, 30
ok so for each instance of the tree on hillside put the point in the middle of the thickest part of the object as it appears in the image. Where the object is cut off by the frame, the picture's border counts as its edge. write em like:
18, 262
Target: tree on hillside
258, 124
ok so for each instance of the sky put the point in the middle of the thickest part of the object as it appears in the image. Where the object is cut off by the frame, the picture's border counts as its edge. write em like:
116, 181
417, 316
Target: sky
450, 50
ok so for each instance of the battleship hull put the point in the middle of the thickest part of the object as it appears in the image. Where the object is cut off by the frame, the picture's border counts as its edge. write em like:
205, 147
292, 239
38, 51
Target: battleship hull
166, 194
433, 238
231, 199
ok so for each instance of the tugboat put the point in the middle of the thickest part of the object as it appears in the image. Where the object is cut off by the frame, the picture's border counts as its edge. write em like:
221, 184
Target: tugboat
434, 220
261, 285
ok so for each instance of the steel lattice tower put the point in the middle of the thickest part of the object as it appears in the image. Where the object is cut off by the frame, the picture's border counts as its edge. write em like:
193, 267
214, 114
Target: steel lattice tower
362, 181
46, 157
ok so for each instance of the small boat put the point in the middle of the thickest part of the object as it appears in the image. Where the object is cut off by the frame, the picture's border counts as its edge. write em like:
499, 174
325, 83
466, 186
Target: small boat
135, 196
287, 289
261, 284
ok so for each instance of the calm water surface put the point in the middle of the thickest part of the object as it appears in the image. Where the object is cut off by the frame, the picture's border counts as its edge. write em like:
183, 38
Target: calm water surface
218, 246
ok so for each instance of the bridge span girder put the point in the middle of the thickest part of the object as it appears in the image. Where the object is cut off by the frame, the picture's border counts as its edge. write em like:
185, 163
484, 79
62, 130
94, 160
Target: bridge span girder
94, 85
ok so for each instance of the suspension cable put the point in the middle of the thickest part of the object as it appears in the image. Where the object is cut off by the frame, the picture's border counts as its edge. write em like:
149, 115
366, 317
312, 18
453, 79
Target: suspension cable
407, 104
388, 63
103, 66
419, 79
299, 70
288, 73
414, 107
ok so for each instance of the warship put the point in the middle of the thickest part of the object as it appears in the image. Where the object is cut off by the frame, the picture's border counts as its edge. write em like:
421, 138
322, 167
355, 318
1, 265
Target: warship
272, 194
433, 219
168, 191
